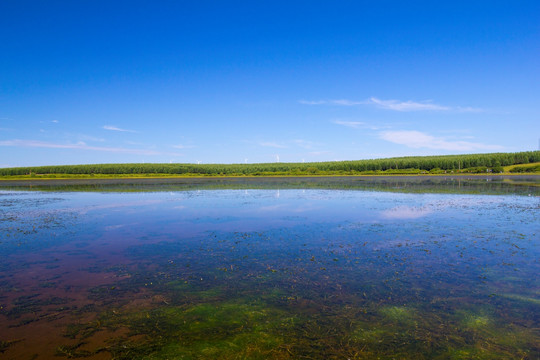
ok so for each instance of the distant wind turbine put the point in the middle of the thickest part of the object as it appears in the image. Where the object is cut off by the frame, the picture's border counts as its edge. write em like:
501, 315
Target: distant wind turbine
277, 158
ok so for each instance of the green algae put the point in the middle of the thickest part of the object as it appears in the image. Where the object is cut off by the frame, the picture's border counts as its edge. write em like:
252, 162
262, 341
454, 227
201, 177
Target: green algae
288, 327
400, 314
211, 330
477, 321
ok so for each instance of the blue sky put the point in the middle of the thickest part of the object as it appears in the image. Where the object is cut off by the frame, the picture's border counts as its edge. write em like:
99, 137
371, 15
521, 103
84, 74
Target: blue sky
251, 81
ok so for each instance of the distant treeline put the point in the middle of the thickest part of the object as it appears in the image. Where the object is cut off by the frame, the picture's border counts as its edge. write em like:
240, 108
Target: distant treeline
474, 163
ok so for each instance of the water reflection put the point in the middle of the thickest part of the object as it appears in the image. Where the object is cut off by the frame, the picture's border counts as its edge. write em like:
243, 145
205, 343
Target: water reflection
406, 212
515, 184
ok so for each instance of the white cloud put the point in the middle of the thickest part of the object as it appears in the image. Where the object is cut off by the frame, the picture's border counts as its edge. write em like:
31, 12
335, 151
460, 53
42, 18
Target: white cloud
81, 146
357, 125
345, 102
417, 139
397, 105
272, 144
394, 105
114, 128
180, 146
351, 124
55, 121
316, 102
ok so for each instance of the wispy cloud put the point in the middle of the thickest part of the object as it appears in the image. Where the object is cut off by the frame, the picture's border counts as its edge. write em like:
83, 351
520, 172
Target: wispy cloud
345, 102
351, 124
180, 146
394, 105
397, 105
81, 146
357, 125
313, 102
417, 139
55, 121
114, 128
272, 144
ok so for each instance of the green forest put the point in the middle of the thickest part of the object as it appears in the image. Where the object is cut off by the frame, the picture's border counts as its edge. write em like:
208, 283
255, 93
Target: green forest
467, 164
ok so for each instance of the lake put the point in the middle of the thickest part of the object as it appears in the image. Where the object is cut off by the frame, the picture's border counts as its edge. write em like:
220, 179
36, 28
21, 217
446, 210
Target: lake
323, 268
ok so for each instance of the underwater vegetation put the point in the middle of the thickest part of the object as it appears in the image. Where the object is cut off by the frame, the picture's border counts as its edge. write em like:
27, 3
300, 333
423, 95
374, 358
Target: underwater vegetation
245, 301
228, 275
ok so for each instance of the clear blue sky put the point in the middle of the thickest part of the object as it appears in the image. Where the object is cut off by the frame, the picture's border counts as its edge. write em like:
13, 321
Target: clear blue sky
248, 81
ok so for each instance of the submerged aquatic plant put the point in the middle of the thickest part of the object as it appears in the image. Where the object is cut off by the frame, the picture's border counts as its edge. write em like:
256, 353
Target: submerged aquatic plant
233, 279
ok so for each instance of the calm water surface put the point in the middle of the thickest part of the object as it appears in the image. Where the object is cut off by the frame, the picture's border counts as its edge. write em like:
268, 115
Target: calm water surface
269, 274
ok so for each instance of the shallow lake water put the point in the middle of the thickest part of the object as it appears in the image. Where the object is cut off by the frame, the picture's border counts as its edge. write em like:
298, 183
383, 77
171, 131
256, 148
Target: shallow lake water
275, 272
